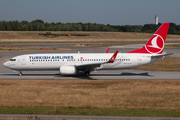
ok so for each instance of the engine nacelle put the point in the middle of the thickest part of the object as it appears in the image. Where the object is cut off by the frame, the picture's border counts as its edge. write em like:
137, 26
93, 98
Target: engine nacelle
67, 70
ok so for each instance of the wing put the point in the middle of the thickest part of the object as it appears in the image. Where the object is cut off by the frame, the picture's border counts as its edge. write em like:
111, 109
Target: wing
92, 66
88, 66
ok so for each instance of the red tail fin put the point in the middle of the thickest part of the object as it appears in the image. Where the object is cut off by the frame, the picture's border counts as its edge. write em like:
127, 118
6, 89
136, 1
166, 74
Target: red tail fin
156, 42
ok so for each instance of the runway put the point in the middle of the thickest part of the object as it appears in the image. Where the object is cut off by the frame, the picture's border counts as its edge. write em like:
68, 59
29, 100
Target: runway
113, 74
91, 117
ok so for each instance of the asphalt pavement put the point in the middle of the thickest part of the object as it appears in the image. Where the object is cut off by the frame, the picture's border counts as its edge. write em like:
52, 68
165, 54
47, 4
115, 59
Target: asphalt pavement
84, 117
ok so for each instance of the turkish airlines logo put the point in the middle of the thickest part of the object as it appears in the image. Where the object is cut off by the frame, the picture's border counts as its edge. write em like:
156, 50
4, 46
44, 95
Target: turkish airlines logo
155, 45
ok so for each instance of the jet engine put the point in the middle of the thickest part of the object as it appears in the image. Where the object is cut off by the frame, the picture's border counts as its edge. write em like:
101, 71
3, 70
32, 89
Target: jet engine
67, 70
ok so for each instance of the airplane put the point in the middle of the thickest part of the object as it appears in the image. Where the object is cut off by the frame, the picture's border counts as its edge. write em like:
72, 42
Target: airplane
72, 63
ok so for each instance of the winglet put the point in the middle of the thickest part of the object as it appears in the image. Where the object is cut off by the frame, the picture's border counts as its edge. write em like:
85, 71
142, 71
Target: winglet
113, 57
107, 50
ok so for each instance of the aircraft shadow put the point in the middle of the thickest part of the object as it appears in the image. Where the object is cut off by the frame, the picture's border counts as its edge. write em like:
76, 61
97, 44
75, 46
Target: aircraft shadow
124, 74
28, 74
81, 75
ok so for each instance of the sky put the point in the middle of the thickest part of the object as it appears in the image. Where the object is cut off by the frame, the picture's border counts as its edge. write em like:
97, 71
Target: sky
113, 12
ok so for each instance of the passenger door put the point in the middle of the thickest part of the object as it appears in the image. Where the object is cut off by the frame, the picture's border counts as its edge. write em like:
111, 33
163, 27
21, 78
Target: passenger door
23, 60
139, 59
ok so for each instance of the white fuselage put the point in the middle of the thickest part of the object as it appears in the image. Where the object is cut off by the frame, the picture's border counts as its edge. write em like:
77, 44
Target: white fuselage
40, 62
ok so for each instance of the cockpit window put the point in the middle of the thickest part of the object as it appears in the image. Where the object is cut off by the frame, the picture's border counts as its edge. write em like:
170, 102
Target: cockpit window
12, 60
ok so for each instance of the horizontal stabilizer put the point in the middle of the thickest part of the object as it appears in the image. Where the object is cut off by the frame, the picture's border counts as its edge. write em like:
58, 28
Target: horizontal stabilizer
163, 54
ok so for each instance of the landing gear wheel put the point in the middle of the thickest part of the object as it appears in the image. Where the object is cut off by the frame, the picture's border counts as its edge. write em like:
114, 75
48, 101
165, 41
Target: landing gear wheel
87, 73
20, 73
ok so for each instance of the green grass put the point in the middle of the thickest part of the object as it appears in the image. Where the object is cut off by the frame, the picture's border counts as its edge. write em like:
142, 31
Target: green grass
117, 112
25, 110
74, 111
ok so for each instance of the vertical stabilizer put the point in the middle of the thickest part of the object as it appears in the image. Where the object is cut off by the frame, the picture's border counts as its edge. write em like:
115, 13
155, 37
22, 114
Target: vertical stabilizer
155, 45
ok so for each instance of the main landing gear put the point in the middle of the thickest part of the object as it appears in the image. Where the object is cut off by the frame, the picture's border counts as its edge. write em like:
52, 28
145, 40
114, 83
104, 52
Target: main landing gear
20, 73
87, 73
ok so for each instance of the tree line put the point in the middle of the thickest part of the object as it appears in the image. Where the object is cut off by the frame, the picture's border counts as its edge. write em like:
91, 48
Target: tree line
40, 25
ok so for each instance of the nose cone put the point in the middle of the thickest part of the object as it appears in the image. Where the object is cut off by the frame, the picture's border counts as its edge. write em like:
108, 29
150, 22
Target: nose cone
5, 64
